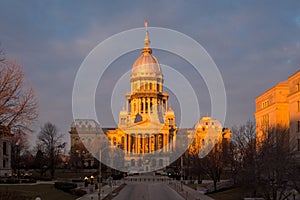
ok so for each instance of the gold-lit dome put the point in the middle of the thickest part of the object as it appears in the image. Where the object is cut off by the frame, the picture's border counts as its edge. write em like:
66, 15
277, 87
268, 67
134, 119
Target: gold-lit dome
146, 64
170, 112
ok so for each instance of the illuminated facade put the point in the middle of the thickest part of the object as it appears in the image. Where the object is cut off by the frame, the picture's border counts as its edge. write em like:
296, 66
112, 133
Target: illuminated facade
280, 106
147, 124
208, 133
80, 156
146, 132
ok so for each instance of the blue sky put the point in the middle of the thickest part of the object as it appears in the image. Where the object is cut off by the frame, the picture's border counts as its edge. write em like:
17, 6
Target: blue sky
255, 44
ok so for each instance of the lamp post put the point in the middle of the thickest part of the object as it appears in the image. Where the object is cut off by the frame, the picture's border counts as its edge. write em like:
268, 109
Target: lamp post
18, 158
99, 182
182, 172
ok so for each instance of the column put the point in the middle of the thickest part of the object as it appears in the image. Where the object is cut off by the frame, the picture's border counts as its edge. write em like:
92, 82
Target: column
144, 104
166, 104
166, 142
155, 142
163, 143
125, 143
148, 101
139, 105
154, 104
143, 143
152, 137
136, 143
129, 143
149, 143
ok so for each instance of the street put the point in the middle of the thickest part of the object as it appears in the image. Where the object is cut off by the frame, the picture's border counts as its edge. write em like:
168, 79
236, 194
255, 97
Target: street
147, 191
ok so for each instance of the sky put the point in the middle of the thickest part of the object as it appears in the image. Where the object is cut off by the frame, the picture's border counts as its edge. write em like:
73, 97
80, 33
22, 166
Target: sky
255, 44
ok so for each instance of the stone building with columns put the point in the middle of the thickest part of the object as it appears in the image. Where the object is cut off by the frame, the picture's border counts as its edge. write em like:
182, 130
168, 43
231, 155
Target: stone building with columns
280, 105
146, 130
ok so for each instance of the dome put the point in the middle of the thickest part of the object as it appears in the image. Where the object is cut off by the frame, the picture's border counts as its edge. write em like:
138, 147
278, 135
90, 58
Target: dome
207, 122
170, 112
123, 112
146, 65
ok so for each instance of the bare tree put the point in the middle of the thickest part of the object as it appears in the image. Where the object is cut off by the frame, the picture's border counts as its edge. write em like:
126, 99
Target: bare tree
18, 104
213, 163
19, 147
266, 167
242, 154
274, 162
52, 145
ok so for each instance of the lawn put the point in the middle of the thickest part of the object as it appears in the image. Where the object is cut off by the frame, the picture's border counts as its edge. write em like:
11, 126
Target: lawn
230, 194
64, 174
45, 191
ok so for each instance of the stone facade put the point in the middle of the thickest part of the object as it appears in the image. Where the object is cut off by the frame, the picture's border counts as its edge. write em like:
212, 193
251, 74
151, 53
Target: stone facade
280, 106
5, 151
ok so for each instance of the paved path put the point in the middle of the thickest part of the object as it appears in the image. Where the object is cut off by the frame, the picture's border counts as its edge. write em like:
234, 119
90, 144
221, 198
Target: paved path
105, 191
147, 191
188, 193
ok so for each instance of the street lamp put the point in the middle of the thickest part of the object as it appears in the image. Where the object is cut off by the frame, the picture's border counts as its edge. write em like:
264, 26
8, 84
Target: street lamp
18, 157
182, 172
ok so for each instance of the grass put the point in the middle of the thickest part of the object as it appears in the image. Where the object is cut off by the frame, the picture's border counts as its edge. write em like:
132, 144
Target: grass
45, 191
64, 173
230, 194
194, 186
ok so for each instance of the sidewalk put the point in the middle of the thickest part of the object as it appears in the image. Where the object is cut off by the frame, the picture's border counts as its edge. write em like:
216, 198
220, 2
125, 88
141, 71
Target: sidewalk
188, 193
105, 191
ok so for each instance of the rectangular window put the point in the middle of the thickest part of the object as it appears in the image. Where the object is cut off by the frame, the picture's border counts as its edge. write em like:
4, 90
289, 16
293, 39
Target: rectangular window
298, 144
298, 126
4, 148
4, 164
298, 106
265, 104
297, 87
265, 120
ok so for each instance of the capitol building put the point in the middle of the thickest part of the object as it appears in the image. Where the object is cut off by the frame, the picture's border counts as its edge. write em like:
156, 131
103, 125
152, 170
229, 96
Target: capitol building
146, 132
